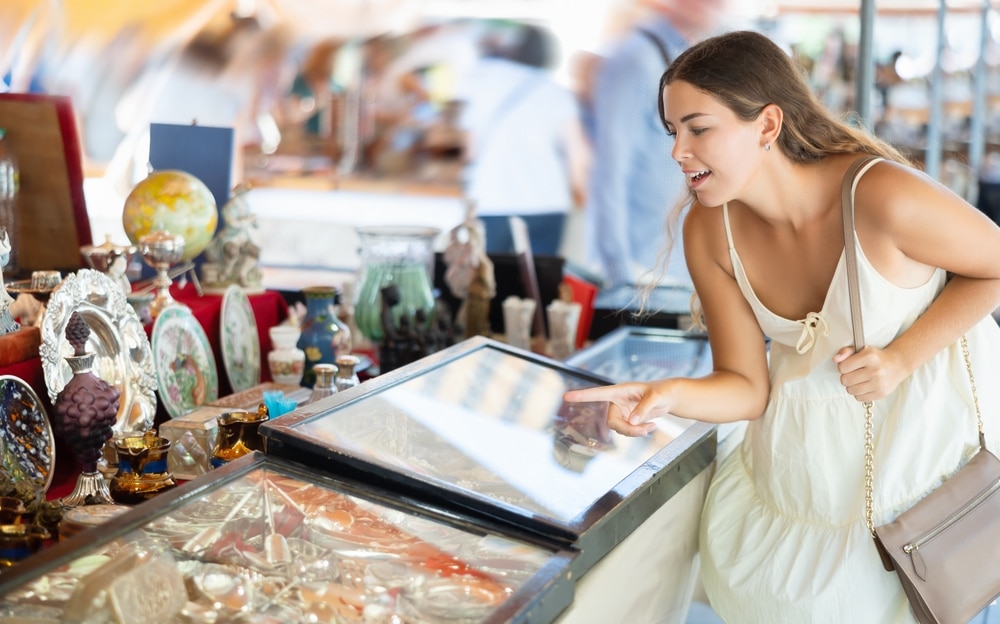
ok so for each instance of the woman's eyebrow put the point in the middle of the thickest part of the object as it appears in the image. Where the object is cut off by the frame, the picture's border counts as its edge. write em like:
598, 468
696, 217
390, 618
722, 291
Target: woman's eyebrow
692, 116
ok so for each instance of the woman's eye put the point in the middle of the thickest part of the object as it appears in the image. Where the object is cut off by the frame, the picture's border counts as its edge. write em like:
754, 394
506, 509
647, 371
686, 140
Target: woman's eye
698, 131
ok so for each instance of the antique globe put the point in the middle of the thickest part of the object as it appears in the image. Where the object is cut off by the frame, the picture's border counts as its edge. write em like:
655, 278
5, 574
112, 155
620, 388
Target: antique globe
174, 202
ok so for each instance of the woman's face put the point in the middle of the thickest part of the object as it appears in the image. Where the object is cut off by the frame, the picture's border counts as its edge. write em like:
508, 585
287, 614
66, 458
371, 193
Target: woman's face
716, 150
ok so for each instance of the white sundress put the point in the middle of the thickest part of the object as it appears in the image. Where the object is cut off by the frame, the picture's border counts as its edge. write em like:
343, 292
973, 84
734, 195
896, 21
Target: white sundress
783, 537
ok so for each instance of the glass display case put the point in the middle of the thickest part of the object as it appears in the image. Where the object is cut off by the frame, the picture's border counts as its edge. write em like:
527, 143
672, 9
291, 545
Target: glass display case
664, 306
266, 540
482, 428
635, 353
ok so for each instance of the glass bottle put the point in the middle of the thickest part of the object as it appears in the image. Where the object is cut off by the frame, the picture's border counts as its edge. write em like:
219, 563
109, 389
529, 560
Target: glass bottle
10, 183
85, 411
346, 377
324, 382
399, 255
323, 336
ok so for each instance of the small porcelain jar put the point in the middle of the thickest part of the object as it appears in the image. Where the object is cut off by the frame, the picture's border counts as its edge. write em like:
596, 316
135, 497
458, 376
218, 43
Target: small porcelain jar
286, 361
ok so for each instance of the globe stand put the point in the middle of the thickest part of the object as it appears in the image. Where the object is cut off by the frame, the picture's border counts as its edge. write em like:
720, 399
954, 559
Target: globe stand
161, 250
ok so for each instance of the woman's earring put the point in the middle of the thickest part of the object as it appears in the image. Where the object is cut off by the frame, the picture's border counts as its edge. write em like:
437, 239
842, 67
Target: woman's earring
767, 147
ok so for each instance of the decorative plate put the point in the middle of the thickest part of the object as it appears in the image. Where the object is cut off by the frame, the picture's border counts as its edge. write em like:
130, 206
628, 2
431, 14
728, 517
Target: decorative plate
185, 362
118, 340
239, 340
28, 448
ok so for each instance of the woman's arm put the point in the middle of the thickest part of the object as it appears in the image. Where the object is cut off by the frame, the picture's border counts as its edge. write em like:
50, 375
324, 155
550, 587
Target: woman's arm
738, 386
908, 225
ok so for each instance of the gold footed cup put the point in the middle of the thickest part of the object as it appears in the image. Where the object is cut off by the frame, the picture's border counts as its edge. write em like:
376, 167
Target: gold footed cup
142, 469
20, 541
238, 435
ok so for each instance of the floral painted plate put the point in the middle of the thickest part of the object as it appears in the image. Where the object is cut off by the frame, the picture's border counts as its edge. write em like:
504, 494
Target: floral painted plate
185, 363
239, 340
27, 448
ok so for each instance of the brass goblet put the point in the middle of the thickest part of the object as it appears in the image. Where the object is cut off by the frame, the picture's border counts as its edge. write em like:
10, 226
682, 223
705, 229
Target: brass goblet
161, 250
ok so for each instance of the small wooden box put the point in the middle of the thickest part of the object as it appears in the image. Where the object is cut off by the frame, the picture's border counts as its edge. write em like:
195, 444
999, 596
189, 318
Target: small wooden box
20, 345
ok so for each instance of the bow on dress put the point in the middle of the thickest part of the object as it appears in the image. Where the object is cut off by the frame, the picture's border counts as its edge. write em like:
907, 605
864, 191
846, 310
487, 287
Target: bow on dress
812, 325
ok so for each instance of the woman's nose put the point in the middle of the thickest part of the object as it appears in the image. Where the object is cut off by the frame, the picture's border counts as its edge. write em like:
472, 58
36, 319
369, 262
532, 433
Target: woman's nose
678, 152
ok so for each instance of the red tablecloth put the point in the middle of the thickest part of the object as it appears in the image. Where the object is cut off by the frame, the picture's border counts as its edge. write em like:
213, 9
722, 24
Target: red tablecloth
269, 309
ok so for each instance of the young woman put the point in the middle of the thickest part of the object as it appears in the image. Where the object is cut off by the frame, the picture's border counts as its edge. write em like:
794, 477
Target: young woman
783, 536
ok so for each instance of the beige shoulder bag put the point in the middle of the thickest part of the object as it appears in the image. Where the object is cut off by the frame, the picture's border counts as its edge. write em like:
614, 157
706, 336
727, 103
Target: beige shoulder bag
946, 548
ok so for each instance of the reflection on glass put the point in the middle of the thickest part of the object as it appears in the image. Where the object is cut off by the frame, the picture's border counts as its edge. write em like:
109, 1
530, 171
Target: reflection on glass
494, 423
645, 354
290, 549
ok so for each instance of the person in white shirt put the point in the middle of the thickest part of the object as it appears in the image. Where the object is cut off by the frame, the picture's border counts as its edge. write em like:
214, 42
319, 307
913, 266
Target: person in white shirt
523, 135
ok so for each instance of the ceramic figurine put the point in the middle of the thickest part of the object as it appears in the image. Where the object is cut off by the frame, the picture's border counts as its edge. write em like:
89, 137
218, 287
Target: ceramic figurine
233, 255
7, 322
118, 270
470, 276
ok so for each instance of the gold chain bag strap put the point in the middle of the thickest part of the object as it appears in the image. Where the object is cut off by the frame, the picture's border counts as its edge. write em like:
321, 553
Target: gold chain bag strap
946, 548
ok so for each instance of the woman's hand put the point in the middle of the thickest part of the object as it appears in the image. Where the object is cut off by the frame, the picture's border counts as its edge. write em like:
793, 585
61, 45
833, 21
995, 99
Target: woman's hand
870, 374
632, 405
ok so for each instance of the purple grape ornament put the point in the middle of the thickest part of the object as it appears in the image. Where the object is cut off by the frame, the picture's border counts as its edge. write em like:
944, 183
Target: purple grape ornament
85, 412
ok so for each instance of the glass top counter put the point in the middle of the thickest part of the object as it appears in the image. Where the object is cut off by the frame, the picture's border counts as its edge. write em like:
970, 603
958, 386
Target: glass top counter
482, 427
262, 540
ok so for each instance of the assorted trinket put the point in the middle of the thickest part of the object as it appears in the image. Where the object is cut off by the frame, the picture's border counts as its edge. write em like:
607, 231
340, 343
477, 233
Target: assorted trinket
282, 547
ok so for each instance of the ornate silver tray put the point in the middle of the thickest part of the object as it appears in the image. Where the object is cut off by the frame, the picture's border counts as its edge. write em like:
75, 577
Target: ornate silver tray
123, 355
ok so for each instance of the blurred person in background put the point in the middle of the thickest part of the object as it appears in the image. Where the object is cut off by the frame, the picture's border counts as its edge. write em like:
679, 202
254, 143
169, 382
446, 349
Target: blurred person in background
633, 181
523, 134
227, 76
307, 115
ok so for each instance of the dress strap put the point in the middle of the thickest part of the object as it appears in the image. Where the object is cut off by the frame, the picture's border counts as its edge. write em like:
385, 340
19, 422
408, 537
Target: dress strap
729, 231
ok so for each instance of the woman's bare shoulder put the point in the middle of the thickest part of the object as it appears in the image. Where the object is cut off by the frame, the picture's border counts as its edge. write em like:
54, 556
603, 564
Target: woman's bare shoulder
890, 192
705, 234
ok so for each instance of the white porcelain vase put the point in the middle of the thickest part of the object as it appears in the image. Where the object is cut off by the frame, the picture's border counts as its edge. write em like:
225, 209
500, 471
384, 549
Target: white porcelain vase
286, 361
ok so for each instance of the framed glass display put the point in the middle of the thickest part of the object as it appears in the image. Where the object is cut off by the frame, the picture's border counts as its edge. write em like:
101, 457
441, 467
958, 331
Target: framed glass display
264, 540
636, 353
481, 427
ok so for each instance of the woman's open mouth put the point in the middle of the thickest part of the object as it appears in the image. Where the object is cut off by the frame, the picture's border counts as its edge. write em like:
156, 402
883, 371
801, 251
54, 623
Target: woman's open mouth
695, 178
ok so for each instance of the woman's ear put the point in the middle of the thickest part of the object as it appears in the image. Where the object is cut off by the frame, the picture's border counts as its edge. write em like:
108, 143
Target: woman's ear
770, 120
